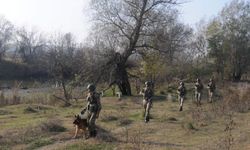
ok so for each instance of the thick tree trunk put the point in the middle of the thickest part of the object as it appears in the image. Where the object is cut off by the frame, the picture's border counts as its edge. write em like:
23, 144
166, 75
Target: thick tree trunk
122, 80
66, 95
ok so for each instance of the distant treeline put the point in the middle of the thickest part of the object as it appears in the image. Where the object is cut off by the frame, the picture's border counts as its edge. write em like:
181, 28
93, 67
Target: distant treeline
133, 40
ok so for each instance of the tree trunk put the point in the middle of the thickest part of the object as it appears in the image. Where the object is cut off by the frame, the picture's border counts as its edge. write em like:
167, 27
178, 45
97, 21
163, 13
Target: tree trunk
122, 80
66, 95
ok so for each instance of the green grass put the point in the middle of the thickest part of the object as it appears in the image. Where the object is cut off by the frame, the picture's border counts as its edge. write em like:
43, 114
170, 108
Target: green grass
4, 147
39, 143
4, 112
84, 146
168, 129
137, 116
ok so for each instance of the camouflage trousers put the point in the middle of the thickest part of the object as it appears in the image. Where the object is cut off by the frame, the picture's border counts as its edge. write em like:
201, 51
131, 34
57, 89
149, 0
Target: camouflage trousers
198, 97
91, 121
210, 96
147, 104
181, 100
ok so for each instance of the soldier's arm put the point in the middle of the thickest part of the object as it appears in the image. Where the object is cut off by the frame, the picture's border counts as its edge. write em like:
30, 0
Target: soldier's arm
178, 90
142, 92
88, 97
208, 86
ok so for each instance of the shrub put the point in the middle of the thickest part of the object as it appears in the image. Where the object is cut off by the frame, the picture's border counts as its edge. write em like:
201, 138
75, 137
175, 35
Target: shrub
190, 126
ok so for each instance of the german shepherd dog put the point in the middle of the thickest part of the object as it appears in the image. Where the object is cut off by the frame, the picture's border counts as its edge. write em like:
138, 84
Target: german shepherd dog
81, 124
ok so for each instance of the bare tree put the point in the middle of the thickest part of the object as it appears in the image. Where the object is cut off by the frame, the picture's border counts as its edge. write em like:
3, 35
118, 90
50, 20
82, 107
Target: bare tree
131, 24
6, 31
66, 62
29, 44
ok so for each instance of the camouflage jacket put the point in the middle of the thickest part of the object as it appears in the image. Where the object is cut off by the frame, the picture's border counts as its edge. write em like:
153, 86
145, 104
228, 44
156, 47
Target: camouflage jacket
94, 103
211, 86
147, 93
198, 87
181, 90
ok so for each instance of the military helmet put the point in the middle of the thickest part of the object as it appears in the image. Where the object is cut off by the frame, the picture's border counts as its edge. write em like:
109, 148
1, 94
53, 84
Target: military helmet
147, 83
91, 87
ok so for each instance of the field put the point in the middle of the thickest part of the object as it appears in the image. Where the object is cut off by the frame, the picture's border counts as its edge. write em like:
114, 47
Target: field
121, 125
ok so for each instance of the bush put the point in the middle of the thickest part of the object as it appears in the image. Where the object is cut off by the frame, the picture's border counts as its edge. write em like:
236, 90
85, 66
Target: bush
190, 126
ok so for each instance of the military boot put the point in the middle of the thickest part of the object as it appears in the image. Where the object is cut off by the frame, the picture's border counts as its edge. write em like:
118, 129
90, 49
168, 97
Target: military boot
94, 133
180, 108
147, 119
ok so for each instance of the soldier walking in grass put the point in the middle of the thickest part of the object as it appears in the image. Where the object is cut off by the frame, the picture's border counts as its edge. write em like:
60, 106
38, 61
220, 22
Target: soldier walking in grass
198, 91
181, 91
147, 93
93, 109
211, 88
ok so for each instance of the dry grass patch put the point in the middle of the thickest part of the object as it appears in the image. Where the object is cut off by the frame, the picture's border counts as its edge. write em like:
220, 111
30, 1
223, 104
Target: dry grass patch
29, 134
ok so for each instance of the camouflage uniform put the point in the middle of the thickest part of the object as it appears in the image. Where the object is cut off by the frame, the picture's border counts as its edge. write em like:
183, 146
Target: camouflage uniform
94, 108
198, 91
181, 94
211, 88
147, 93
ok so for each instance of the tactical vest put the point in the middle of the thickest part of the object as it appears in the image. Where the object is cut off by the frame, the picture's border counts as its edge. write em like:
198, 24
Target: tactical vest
198, 87
148, 94
93, 102
182, 90
211, 86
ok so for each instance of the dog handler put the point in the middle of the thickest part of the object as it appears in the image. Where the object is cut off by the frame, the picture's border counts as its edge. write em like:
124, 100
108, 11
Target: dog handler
93, 109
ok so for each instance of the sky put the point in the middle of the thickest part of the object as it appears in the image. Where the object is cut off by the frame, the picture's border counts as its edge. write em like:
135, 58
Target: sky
53, 16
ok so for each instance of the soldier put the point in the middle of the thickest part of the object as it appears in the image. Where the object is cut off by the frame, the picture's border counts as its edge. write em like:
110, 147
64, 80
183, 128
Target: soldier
181, 94
211, 88
147, 93
198, 91
93, 109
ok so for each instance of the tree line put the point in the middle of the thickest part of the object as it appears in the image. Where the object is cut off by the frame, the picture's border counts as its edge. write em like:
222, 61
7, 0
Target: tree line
133, 40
